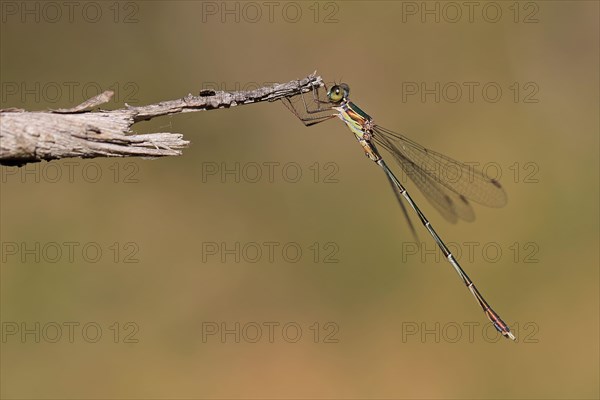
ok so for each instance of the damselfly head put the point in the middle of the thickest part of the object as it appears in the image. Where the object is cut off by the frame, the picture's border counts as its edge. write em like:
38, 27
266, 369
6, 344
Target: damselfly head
338, 93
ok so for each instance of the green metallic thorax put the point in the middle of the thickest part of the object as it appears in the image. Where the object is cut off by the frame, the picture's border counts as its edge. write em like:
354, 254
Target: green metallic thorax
354, 117
360, 123
357, 110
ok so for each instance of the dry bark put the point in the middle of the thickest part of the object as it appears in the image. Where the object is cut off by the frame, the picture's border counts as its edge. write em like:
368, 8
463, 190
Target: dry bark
32, 136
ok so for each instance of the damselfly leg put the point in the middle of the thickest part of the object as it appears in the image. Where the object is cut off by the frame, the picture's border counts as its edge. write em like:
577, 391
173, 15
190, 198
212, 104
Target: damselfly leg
314, 110
321, 110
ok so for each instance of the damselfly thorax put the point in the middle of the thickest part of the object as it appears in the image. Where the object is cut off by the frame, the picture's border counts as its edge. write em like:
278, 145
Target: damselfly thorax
359, 123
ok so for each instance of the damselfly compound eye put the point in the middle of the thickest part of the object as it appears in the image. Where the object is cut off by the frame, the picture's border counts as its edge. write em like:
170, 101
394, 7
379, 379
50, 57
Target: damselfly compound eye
336, 94
346, 89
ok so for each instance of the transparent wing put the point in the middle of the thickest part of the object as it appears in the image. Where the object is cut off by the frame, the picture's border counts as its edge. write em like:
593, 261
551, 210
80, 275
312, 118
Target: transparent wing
449, 204
448, 177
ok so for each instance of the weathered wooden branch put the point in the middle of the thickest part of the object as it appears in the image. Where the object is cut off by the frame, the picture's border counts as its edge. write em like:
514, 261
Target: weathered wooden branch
32, 136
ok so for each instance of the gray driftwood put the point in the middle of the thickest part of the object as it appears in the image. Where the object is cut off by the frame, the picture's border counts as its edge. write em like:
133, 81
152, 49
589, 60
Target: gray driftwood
32, 136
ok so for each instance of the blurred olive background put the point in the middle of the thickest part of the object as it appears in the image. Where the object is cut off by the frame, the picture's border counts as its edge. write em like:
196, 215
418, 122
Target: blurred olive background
379, 322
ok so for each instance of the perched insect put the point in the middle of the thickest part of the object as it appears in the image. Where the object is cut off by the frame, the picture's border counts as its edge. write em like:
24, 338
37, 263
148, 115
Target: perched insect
448, 184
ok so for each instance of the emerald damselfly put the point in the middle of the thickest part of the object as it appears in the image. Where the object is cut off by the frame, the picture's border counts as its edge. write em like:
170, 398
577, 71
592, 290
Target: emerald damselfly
446, 183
